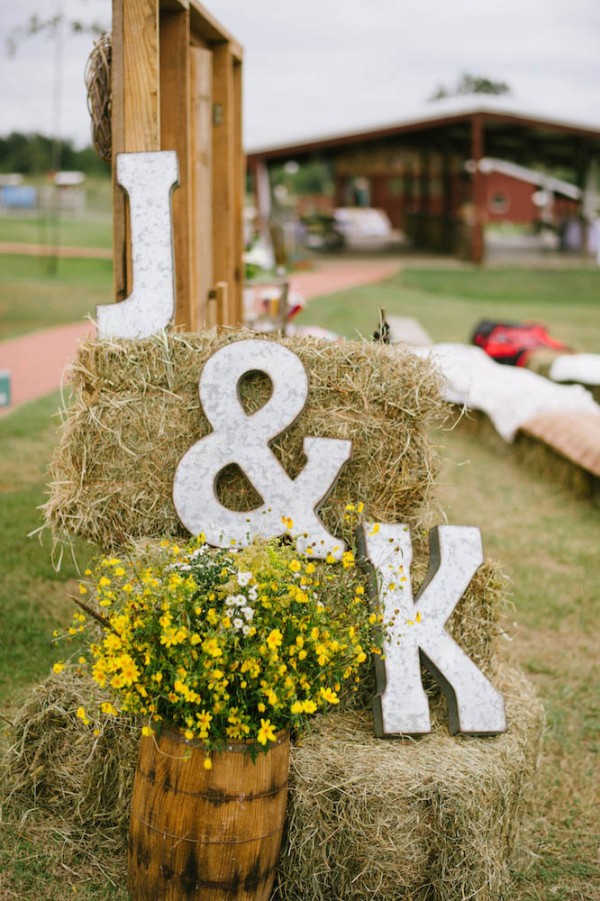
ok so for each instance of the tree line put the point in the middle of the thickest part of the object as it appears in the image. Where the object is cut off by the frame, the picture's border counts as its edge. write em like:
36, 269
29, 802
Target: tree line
37, 154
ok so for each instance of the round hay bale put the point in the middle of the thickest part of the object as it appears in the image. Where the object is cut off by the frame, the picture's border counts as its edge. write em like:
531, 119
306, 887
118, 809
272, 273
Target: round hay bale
136, 411
436, 818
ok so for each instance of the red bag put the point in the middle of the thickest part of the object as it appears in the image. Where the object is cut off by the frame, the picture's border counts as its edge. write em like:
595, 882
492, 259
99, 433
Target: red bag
513, 342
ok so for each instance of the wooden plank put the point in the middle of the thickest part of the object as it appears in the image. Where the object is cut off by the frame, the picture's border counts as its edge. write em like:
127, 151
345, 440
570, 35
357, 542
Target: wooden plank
177, 5
205, 26
135, 109
120, 224
141, 63
174, 35
223, 207
204, 312
239, 175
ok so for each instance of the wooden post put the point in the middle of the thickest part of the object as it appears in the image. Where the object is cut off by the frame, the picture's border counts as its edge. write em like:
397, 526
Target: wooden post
478, 189
225, 199
136, 113
176, 85
174, 135
202, 188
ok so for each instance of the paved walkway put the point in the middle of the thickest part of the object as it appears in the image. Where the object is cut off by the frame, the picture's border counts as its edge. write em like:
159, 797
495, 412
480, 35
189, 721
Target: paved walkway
36, 362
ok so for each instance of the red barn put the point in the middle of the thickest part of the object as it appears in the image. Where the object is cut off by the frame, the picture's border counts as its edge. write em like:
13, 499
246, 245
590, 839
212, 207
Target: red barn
524, 196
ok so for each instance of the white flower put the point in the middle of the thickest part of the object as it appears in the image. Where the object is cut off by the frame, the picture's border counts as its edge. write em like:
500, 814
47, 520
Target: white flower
243, 578
199, 550
239, 600
253, 592
246, 630
238, 623
230, 601
248, 612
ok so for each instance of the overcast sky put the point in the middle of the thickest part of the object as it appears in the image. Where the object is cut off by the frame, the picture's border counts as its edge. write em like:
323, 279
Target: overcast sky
324, 66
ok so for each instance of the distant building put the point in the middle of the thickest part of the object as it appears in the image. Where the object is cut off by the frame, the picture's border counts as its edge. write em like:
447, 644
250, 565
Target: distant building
443, 176
525, 196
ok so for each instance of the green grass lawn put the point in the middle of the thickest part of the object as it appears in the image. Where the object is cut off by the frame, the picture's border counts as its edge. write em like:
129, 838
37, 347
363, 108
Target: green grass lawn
545, 539
450, 302
33, 598
31, 299
71, 232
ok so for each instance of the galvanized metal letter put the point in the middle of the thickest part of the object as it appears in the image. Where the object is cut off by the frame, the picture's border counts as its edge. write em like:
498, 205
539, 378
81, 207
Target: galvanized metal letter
148, 179
244, 440
414, 632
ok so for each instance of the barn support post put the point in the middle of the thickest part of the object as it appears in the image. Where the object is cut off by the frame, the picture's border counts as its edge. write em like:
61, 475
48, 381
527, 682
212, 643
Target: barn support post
590, 200
478, 192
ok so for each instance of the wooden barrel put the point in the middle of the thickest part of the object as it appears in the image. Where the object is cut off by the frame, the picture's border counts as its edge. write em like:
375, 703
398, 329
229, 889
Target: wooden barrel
206, 835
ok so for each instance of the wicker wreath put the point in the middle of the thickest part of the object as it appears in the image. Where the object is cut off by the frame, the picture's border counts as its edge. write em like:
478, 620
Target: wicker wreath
97, 82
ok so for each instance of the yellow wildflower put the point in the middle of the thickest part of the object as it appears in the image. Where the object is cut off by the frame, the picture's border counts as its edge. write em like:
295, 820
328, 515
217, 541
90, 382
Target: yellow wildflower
328, 695
82, 715
266, 732
348, 560
274, 639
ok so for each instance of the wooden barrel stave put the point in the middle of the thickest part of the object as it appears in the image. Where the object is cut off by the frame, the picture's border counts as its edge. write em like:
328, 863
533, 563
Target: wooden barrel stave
206, 835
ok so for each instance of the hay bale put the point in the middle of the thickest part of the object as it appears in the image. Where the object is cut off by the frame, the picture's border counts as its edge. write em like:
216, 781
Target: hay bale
436, 818
136, 411
80, 775
546, 461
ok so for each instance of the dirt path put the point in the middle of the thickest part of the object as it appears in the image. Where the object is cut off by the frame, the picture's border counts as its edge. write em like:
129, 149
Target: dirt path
36, 362
43, 250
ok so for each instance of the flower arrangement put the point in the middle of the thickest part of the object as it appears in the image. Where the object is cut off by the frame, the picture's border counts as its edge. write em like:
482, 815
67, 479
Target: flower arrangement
224, 645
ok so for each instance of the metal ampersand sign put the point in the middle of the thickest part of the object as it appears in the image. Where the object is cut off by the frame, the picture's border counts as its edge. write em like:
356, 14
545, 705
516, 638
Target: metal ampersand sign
244, 440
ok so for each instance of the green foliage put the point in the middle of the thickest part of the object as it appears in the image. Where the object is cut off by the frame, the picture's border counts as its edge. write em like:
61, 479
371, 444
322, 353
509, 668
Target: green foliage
471, 84
34, 154
315, 177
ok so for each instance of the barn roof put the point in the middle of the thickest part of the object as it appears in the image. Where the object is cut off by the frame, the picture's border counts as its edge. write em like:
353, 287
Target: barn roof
510, 132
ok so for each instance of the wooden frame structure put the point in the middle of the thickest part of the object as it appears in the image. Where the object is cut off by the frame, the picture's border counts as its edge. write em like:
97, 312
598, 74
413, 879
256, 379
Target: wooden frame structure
177, 85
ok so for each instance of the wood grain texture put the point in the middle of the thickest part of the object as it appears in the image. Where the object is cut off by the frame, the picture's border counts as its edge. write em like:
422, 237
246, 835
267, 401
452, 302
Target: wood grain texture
206, 835
163, 92
239, 177
135, 110
223, 171
174, 34
201, 173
